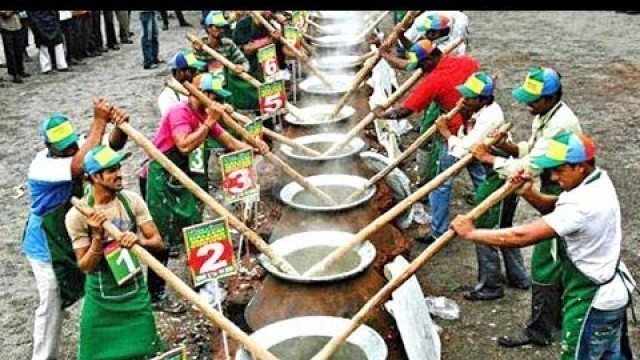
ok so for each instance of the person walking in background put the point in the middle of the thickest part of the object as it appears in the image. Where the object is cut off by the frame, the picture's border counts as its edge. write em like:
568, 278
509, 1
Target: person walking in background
11, 39
164, 14
48, 36
149, 39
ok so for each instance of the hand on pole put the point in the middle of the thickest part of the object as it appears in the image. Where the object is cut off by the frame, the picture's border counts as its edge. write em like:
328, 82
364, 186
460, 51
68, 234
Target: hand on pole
128, 239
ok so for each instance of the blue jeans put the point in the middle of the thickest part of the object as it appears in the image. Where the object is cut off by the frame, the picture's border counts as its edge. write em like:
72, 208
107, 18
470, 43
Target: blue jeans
440, 197
149, 37
602, 335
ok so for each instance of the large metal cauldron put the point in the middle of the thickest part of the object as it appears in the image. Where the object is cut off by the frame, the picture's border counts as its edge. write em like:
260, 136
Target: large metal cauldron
319, 114
364, 338
351, 183
302, 250
321, 142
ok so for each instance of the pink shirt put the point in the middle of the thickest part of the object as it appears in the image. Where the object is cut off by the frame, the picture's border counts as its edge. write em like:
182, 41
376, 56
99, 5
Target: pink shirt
179, 119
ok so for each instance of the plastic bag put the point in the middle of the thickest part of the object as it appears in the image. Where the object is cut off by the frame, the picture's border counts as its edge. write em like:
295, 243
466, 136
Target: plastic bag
443, 307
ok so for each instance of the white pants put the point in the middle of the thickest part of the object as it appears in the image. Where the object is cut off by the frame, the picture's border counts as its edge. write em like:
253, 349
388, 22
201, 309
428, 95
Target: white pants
48, 317
45, 58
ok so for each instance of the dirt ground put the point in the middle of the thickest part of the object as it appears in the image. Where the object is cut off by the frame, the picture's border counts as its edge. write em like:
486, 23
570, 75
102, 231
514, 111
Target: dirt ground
596, 53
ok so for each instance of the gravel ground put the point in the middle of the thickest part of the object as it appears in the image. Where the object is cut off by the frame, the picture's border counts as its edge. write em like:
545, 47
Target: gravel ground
601, 79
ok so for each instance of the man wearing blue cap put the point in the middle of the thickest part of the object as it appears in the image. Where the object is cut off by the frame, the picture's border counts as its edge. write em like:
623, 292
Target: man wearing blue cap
54, 176
585, 220
542, 94
481, 115
112, 308
184, 65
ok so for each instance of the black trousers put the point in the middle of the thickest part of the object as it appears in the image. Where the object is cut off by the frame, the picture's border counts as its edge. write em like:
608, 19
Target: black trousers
81, 26
95, 39
13, 52
164, 14
69, 41
24, 34
155, 283
109, 28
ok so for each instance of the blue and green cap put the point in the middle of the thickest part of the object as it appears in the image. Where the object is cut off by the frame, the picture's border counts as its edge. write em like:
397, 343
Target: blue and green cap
211, 82
185, 59
566, 148
102, 157
418, 52
539, 82
216, 18
478, 84
434, 21
58, 131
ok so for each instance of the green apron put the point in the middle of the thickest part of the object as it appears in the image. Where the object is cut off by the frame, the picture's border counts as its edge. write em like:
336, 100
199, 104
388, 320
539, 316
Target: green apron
243, 95
117, 321
491, 218
428, 155
63, 258
170, 203
545, 267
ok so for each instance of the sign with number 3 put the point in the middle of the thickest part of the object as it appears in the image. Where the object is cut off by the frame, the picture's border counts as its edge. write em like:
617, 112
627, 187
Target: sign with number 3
210, 253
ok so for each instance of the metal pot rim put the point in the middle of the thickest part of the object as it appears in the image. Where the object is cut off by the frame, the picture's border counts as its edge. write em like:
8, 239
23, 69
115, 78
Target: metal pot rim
364, 337
311, 81
345, 113
291, 189
356, 144
297, 241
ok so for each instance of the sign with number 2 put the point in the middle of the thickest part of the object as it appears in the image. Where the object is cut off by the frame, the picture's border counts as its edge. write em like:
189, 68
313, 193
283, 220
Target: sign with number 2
210, 253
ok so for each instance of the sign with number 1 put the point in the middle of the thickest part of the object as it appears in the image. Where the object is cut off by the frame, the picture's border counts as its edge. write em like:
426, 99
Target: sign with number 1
123, 264
209, 251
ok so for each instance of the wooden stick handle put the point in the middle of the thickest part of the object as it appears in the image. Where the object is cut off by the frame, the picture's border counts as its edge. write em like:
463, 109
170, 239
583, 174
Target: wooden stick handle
273, 158
374, 24
201, 194
364, 72
256, 15
414, 266
385, 218
371, 116
181, 288
405, 154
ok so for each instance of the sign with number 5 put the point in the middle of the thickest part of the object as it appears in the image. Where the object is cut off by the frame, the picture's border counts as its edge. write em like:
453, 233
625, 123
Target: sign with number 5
210, 253
272, 96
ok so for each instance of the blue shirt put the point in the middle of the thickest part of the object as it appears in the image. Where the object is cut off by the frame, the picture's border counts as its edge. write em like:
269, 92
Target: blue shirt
50, 184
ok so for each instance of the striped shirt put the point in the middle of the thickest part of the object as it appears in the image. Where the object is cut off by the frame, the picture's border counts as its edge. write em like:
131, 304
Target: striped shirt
227, 48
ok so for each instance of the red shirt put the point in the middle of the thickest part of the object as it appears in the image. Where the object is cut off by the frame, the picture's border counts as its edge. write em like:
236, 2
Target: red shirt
440, 86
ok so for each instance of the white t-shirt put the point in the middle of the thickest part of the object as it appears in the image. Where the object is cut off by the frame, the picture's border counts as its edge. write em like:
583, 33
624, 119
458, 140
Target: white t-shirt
484, 121
459, 29
167, 99
588, 217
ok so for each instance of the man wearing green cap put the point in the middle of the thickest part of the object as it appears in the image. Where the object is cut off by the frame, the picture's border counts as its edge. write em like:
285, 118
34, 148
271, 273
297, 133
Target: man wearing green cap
481, 115
542, 94
585, 218
216, 25
184, 66
54, 176
111, 307
184, 135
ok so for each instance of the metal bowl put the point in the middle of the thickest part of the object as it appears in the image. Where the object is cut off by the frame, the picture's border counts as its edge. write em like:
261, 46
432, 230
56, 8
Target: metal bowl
355, 146
324, 17
318, 113
339, 28
295, 242
337, 41
367, 339
340, 85
338, 62
290, 190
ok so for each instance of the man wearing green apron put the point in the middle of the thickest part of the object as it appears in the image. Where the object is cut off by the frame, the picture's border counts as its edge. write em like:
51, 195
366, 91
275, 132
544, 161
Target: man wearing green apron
542, 94
184, 65
443, 74
185, 134
54, 176
586, 217
117, 320
246, 96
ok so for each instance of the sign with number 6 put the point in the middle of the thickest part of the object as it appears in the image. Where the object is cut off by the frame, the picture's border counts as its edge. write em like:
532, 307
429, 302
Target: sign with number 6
269, 62
210, 253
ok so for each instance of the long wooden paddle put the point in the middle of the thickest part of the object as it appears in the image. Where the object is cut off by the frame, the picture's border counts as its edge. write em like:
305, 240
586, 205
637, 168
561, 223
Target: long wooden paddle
385, 218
